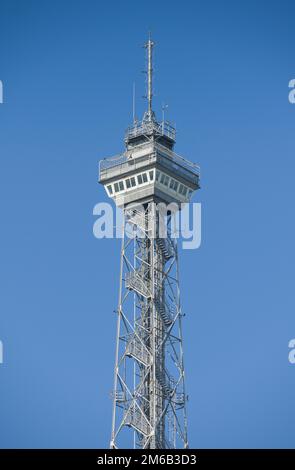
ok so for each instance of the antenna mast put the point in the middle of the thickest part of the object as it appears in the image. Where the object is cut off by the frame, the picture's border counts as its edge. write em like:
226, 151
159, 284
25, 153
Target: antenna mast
133, 104
149, 46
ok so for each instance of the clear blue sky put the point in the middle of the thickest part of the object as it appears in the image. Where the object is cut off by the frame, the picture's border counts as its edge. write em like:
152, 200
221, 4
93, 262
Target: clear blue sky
67, 70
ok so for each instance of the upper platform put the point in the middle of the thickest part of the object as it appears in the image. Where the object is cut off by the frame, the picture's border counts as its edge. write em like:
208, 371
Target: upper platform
145, 155
145, 130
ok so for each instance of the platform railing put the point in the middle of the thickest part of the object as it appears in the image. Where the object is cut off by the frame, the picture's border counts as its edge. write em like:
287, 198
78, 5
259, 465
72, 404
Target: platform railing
147, 127
159, 152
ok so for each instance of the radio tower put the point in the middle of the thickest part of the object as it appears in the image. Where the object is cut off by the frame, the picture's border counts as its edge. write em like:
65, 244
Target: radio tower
149, 398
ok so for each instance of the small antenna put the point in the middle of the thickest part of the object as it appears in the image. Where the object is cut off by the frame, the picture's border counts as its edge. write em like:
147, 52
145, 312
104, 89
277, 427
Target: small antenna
164, 106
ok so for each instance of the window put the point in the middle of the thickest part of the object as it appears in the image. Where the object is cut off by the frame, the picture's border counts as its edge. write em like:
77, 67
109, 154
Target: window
128, 183
173, 184
166, 180
182, 190
121, 185
144, 177
116, 187
133, 182
151, 174
110, 189
157, 175
139, 179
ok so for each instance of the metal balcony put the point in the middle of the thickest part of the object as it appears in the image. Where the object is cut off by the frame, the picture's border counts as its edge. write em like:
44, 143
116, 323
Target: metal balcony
163, 128
134, 281
135, 348
136, 420
128, 161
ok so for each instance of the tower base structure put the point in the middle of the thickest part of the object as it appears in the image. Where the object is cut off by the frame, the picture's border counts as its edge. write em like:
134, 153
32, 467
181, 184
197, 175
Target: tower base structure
149, 398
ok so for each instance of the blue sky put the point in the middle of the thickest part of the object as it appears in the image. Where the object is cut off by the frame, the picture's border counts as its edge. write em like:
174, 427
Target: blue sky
67, 70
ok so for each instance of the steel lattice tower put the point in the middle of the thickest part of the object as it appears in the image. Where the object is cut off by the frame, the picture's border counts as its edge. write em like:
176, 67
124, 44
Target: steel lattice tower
149, 181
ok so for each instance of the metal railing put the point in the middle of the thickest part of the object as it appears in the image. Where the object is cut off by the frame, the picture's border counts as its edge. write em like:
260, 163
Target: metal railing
120, 396
110, 162
179, 399
163, 151
149, 127
159, 153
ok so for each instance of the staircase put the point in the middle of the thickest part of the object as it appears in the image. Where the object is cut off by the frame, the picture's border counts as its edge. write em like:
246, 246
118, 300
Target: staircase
166, 248
163, 311
167, 382
136, 217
